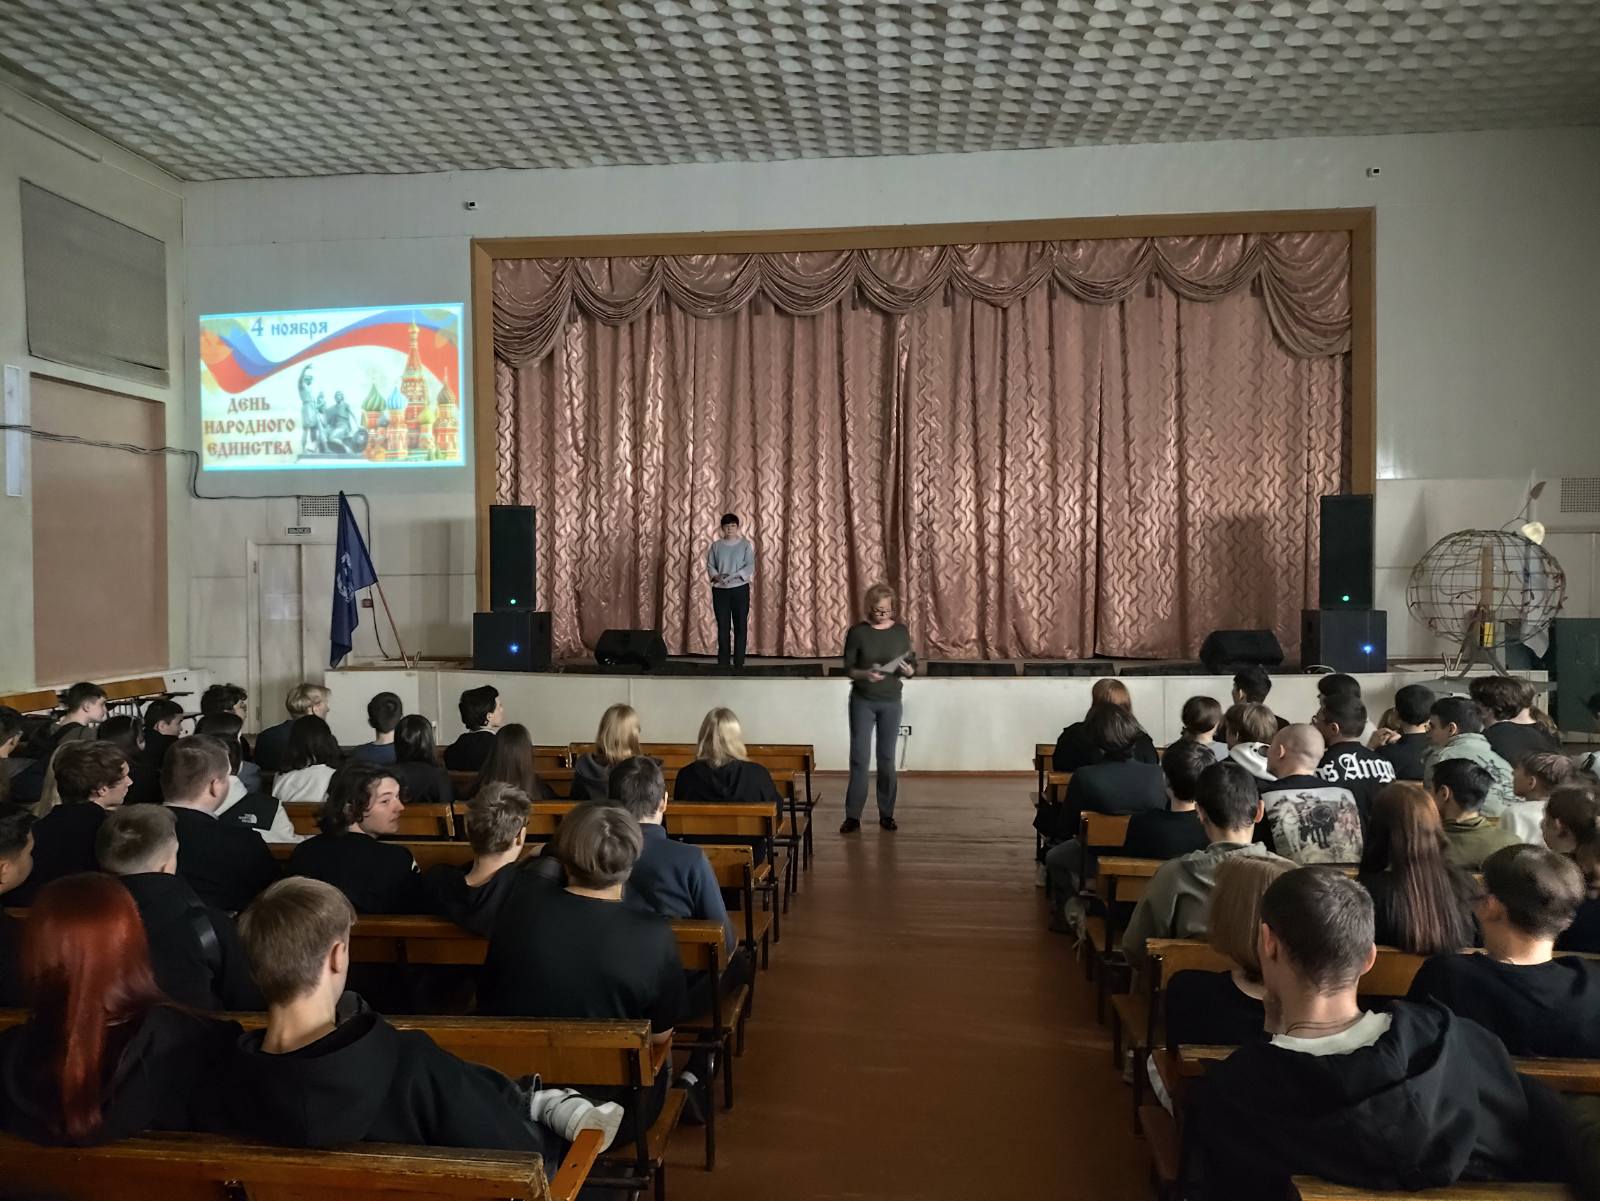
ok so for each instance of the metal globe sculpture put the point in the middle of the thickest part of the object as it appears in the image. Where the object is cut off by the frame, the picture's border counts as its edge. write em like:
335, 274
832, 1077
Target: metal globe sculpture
1471, 583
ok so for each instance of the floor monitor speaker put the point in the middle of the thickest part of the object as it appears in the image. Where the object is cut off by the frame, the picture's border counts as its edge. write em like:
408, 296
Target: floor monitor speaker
1228, 650
511, 640
644, 650
1348, 640
513, 554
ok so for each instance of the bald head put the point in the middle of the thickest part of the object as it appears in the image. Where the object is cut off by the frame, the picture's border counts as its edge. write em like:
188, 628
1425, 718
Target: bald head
1296, 751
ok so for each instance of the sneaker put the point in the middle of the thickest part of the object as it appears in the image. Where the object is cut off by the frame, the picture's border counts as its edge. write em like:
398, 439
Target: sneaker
694, 1100
567, 1112
888, 823
849, 826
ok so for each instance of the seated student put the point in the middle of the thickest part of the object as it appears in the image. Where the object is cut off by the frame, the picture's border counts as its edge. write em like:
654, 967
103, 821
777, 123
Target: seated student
1251, 686
84, 708
1420, 903
227, 698
1346, 763
482, 714
103, 1055
16, 861
1404, 746
1533, 1002
1225, 1008
194, 950
1248, 730
225, 864
673, 878
1306, 818
324, 1073
1076, 747
1394, 1101
416, 767
578, 951
1175, 830
1201, 716
245, 805
497, 827
722, 770
616, 739
510, 762
1174, 903
126, 733
272, 744
92, 779
1459, 787
1455, 732
384, 712
309, 763
363, 805
163, 725
1510, 728
11, 729
1571, 827
1118, 785
1533, 778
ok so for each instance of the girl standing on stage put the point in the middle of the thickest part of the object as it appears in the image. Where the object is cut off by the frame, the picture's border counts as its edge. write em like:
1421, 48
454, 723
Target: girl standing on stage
878, 659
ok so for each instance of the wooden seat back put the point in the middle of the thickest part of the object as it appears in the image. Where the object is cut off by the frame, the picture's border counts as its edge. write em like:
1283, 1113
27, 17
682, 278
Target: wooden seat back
1308, 1188
44, 700
1102, 831
732, 864
1169, 956
1054, 790
701, 945
419, 938
1391, 973
428, 820
192, 1167
134, 690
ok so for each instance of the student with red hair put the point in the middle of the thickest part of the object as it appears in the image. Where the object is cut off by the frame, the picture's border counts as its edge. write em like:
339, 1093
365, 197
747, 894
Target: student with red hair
103, 1055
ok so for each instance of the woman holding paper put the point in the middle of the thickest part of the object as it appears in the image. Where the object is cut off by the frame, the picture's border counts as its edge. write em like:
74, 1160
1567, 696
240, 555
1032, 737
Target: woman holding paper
878, 658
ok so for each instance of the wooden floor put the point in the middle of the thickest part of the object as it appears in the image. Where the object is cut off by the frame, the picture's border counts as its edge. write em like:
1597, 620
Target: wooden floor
920, 1034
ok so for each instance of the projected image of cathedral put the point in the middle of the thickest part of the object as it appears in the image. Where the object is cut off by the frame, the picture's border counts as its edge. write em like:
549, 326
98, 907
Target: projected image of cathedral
408, 425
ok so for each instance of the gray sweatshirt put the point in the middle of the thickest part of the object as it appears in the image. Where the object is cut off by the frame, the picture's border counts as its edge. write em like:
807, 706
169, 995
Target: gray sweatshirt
1476, 748
1174, 904
736, 560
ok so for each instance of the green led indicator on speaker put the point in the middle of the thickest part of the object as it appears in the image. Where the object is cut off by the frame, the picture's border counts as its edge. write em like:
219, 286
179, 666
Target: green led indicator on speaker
1345, 598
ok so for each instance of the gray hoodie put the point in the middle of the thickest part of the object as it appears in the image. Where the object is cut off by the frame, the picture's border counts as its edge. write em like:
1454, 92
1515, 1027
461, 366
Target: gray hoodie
1174, 904
1474, 747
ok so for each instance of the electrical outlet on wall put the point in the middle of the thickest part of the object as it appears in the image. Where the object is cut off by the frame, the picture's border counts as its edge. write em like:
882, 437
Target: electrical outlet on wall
905, 731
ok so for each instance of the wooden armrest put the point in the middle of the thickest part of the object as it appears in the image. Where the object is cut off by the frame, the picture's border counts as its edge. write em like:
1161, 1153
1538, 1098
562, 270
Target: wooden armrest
660, 1055
574, 1170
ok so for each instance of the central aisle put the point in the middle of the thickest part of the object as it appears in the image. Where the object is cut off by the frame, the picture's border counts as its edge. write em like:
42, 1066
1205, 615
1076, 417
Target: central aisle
921, 1035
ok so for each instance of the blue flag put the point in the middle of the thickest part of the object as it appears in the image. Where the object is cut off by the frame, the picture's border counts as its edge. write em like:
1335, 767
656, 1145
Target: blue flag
352, 571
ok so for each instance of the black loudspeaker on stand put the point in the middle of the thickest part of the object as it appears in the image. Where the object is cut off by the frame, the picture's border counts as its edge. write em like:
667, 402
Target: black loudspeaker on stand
1345, 574
1347, 640
1228, 650
644, 650
514, 635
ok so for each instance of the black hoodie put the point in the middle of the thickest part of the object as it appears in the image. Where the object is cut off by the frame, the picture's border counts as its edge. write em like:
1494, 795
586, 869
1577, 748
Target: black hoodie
193, 947
368, 1082
1435, 1100
161, 1075
736, 780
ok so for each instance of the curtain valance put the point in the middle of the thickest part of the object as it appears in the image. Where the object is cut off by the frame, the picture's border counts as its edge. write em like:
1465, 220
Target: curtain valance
1302, 278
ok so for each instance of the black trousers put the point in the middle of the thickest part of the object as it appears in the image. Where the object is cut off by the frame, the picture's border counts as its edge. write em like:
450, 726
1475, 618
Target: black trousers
732, 607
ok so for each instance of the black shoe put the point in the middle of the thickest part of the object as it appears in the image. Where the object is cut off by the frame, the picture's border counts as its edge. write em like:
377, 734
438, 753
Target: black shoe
849, 826
888, 823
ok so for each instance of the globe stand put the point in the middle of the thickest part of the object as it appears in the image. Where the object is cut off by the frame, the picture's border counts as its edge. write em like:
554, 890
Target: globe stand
1477, 649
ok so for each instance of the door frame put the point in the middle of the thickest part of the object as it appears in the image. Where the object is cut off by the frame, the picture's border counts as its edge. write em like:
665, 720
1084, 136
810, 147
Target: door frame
252, 609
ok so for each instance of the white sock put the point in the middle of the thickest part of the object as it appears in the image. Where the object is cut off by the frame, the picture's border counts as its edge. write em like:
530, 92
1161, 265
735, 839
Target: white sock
567, 1112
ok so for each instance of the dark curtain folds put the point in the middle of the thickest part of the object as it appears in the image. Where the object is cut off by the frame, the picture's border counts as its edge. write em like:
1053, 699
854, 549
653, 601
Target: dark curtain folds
1052, 449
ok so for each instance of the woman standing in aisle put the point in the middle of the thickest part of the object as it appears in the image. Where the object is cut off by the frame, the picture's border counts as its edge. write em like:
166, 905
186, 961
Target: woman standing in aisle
878, 659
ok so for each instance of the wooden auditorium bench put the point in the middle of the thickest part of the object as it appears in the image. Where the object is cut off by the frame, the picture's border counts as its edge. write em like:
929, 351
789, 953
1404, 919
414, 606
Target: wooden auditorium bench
197, 1167
545, 758
416, 821
45, 700
464, 784
1309, 1188
618, 1055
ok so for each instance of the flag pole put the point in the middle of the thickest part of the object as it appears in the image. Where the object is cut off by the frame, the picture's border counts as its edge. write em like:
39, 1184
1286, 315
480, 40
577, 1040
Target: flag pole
378, 584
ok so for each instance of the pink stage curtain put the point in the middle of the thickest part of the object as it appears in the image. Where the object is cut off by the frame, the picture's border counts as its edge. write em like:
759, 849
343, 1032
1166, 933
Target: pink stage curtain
1051, 449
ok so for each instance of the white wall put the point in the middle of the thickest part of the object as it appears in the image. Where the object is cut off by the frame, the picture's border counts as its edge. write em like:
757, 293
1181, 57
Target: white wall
126, 189
1486, 246
981, 724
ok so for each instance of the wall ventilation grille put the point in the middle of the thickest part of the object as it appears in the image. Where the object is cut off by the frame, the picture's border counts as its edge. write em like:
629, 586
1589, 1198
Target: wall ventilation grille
328, 506
1580, 494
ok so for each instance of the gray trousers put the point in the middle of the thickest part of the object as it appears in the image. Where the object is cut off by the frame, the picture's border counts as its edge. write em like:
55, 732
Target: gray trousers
865, 716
